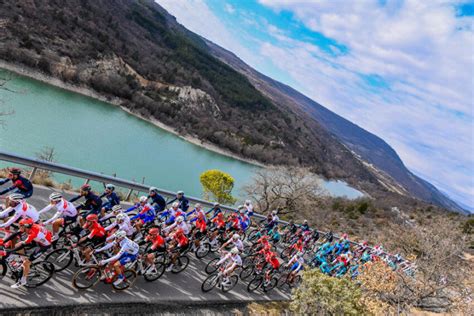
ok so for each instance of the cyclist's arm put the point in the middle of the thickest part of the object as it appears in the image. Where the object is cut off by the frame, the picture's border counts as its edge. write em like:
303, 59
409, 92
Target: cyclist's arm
11, 220
3, 181
131, 208
74, 199
107, 246
46, 208
227, 256
8, 189
52, 219
114, 257
5, 212
112, 225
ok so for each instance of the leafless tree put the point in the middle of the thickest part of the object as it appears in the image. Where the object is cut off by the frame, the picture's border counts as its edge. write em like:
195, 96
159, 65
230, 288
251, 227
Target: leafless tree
284, 189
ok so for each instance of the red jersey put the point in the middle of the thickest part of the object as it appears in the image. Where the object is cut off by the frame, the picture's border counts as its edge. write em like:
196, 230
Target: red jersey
96, 231
156, 241
273, 260
218, 222
40, 235
201, 225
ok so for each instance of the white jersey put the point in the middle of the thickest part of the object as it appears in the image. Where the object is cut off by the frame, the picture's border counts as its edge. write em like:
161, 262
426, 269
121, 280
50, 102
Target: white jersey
231, 259
239, 244
126, 226
249, 208
22, 210
64, 209
183, 225
127, 246
298, 259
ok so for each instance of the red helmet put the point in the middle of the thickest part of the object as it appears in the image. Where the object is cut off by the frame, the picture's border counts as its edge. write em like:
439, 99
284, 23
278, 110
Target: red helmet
92, 218
220, 215
86, 187
16, 171
27, 222
154, 231
365, 243
1, 242
345, 236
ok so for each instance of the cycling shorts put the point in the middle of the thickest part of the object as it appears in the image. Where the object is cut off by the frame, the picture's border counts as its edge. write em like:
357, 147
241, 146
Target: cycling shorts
296, 267
126, 258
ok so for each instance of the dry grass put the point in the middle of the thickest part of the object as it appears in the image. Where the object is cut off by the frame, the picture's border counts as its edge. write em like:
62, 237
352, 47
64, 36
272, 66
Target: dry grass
269, 309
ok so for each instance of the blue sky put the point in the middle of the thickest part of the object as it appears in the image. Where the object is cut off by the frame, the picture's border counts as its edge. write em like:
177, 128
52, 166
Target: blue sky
401, 69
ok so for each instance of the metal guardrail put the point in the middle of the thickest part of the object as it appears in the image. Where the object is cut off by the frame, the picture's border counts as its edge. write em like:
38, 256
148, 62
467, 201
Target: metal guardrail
94, 176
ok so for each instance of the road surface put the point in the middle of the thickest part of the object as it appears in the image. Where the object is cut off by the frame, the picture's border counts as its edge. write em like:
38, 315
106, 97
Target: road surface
171, 289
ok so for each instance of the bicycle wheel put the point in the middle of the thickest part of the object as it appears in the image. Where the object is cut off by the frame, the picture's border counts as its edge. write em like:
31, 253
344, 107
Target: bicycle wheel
247, 272
254, 284
154, 272
203, 250
60, 258
226, 287
211, 267
128, 280
253, 235
296, 281
180, 264
282, 280
270, 285
210, 282
40, 273
86, 277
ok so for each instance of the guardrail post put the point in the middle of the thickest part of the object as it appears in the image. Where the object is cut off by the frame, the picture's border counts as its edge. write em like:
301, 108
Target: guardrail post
128, 195
33, 172
87, 181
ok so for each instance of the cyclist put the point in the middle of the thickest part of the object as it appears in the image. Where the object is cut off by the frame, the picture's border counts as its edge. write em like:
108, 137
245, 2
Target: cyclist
178, 244
248, 205
128, 253
235, 241
274, 219
305, 226
183, 202
122, 222
66, 212
243, 219
157, 200
20, 184
18, 205
158, 244
296, 263
194, 214
218, 229
216, 209
274, 265
200, 229
111, 197
38, 238
92, 205
180, 223
233, 261
173, 213
146, 213
96, 235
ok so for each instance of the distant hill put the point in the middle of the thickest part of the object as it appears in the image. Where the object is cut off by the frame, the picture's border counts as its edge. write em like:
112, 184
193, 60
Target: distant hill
135, 50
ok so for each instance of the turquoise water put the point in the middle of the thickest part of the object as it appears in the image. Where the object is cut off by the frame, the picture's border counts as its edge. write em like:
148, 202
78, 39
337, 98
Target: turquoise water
100, 137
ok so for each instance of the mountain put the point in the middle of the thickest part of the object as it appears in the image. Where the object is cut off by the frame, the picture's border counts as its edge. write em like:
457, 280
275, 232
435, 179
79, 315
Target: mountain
135, 51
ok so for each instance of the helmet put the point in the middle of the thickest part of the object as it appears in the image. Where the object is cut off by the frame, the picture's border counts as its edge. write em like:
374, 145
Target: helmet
26, 222
116, 208
175, 204
143, 199
15, 197
153, 189
55, 196
274, 212
15, 171
154, 231
365, 243
110, 186
121, 217
240, 207
179, 219
345, 236
305, 221
216, 204
92, 218
234, 251
198, 205
180, 193
242, 211
120, 234
248, 202
235, 236
85, 187
220, 215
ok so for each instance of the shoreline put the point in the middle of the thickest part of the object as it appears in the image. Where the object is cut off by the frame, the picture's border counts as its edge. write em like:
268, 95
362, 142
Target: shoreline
115, 101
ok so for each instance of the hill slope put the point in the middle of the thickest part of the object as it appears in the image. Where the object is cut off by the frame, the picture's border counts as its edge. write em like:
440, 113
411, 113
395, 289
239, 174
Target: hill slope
137, 51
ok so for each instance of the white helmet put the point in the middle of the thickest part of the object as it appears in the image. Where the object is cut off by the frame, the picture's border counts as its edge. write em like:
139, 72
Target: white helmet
216, 204
179, 219
153, 189
120, 217
175, 204
116, 208
242, 211
198, 205
234, 251
55, 196
110, 186
120, 234
248, 202
180, 193
274, 212
15, 197
143, 198
236, 237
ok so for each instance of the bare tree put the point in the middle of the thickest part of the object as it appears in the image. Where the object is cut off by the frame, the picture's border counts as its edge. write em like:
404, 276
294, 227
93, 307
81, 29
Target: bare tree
46, 154
284, 189
3, 86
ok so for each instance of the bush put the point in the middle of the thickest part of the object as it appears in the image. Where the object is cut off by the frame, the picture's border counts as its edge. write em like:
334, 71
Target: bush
320, 294
217, 185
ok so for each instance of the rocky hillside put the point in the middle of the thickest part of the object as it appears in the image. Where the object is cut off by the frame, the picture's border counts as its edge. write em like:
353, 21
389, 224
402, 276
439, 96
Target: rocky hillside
135, 50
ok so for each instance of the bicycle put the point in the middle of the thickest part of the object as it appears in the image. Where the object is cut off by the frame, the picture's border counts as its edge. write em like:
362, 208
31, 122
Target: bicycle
89, 275
218, 279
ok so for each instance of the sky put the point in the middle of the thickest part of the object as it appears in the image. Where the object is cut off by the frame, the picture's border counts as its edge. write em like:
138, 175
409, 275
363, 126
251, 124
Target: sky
403, 70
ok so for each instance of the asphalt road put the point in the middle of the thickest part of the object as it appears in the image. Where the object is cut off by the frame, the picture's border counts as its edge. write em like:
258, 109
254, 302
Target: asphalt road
170, 289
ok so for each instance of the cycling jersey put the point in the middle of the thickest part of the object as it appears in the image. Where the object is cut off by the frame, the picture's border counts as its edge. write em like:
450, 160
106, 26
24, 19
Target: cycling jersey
297, 258
158, 202
40, 235
96, 231
64, 209
157, 241
93, 203
244, 222
235, 259
126, 226
127, 247
215, 211
181, 239
272, 260
23, 210
239, 244
183, 203
112, 200
146, 213
201, 225
183, 226
21, 184
219, 222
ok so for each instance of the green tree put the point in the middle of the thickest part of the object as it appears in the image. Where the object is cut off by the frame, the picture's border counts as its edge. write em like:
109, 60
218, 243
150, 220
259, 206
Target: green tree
218, 186
320, 294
